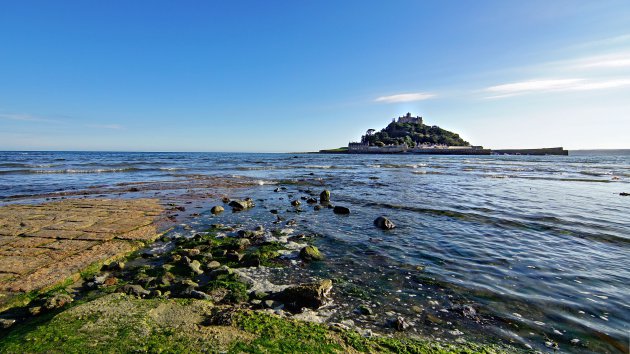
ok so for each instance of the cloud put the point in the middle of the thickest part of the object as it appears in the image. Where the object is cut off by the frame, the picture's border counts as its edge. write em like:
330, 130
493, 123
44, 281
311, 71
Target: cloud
25, 117
405, 97
553, 85
107, 126
609, 62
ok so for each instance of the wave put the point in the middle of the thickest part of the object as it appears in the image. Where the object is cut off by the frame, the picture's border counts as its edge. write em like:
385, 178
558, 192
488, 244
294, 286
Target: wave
391, 165
88, 171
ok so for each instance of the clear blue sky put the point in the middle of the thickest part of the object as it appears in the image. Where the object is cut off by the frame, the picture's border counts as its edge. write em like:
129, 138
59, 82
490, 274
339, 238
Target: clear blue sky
305, 75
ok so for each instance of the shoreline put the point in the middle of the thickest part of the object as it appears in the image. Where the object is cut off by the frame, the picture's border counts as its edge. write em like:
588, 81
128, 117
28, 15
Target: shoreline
164, 255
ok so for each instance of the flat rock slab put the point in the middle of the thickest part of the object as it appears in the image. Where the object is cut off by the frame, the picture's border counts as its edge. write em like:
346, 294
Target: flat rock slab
42, 245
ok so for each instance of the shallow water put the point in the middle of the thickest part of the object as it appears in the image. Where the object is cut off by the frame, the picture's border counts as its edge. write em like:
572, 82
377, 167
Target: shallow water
539, 245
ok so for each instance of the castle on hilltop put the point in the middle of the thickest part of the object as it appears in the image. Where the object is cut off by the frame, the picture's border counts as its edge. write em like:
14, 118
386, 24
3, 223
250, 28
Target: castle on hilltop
407, 118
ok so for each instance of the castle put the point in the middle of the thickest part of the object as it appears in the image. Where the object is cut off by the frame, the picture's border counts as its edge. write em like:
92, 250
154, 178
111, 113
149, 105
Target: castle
407, 118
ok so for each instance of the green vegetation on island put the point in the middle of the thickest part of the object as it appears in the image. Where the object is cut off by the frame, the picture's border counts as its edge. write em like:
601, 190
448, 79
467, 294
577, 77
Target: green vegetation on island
412, 131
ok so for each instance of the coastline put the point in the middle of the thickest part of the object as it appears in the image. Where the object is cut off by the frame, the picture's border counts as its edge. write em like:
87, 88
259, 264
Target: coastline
244, 285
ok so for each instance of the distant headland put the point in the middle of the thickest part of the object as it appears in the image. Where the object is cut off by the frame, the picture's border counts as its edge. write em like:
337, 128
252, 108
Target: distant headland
409, 135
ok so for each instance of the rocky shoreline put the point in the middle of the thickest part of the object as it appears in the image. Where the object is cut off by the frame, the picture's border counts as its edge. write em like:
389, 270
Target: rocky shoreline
223, 272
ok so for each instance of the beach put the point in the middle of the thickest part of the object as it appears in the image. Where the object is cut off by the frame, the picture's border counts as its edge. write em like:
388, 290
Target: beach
497, 253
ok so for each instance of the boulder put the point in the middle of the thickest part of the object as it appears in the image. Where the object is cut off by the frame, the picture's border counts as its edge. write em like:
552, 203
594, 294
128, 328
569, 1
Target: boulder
624, 194
311, 201
296, 203
384, 223
341, 210
213, 265
399, 323
324, 197
193, 265
311, 253
310, 295
134, 290
240, 205
234, 256
217, 209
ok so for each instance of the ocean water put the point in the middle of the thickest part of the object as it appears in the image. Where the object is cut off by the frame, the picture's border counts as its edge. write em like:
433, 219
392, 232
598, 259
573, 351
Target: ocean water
539, 246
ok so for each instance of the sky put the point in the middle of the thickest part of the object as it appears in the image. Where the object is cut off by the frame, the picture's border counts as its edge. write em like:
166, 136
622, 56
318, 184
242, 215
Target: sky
286, 76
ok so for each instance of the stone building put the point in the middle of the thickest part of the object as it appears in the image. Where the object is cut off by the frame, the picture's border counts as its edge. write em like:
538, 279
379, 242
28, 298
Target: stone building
407, 118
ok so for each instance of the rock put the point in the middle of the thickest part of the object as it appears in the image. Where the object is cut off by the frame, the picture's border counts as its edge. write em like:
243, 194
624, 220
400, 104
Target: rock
134, 290
624, 194
240, 205
222, 270
241, 244
311, 201
317, 207
310, 295
296, 203
251, 260
274, 211
575, 341
272, 304
35, 310
324, 197
57, 301
259, 228
469, 311
399, 323
110, 281
234, 256
217, 209
341, 210
6, 323
190, 252
384, 223
225, 200
416, 309
115, 266
213, 265
364, 310
193, 265
196, 294
311, 253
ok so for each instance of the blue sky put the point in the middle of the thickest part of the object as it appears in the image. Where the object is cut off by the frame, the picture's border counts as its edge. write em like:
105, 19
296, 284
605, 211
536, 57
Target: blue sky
304, 75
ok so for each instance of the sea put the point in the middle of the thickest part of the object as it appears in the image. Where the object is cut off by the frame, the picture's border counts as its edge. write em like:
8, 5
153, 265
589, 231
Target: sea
537, 246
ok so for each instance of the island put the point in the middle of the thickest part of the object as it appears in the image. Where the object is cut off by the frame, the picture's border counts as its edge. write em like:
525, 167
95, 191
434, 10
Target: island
409, 135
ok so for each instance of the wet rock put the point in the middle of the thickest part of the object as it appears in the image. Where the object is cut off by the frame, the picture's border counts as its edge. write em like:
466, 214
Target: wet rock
242, 244
190, 252
310, 295
6, 323
317, 207
324, 196
311, 201
165, 280
240, 205
364, 310
234, 256
110, 281
469, 311
416, 309
217, 209
274, 211
624, 194
251, 260
291, 223
311, 253
277, 190
213, 265
225, 200
134, 290
399, 323
296, 203
35, 310
193, 265
384, 223
57, 301
341, 210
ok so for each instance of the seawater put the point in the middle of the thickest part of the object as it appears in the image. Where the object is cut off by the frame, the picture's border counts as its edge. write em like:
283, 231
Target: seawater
538, 244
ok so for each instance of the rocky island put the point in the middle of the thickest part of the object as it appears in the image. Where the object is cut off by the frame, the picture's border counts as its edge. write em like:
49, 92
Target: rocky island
409, 135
